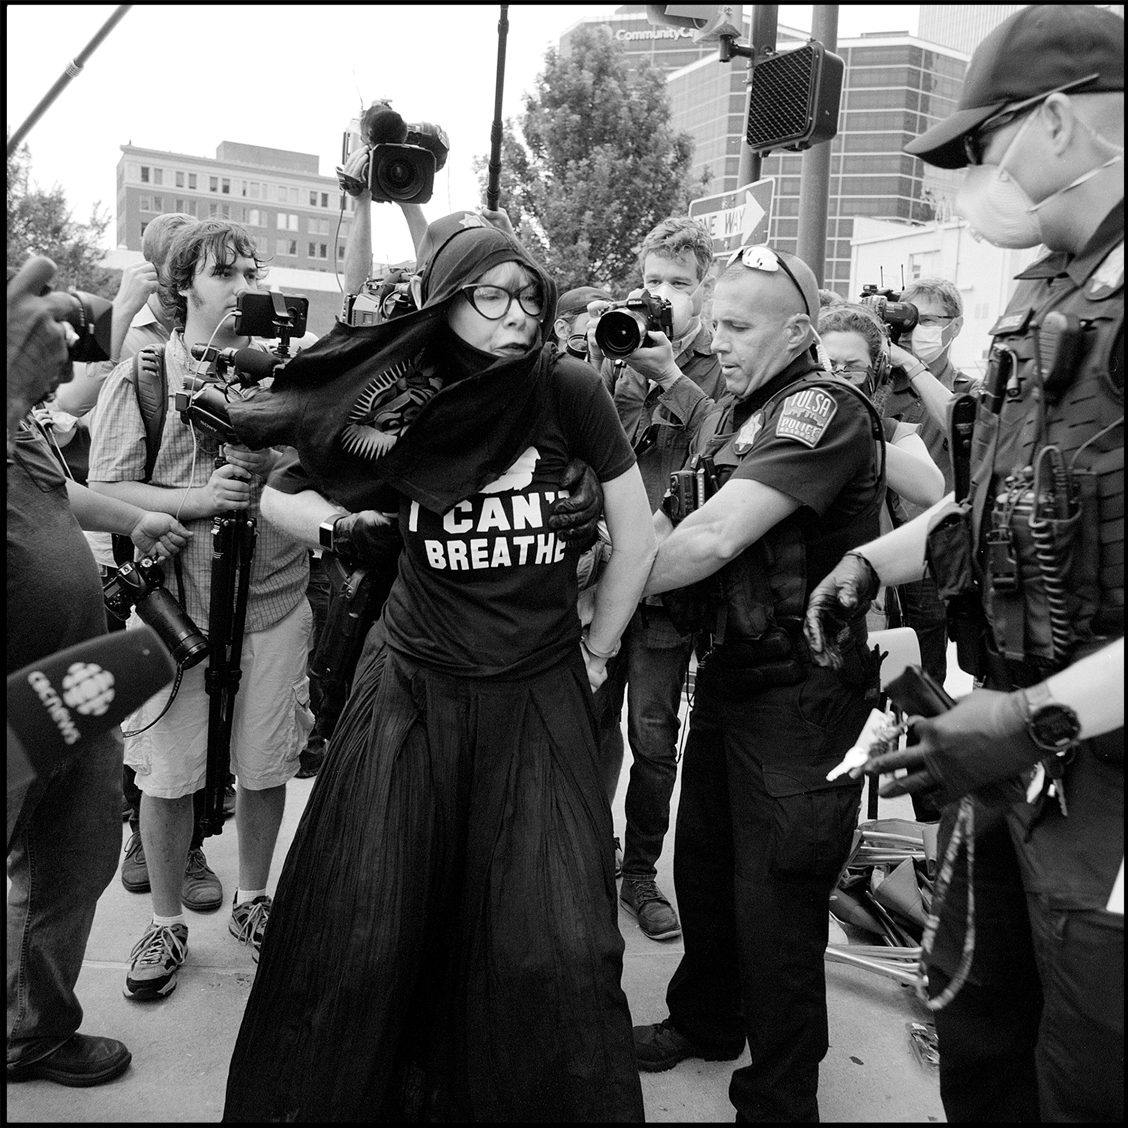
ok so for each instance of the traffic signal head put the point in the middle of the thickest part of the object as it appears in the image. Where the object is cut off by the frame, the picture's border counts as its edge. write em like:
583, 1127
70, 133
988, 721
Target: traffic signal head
708, 22
793, 99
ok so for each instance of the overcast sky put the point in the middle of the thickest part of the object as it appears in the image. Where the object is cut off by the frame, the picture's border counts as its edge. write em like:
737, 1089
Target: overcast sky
185, 77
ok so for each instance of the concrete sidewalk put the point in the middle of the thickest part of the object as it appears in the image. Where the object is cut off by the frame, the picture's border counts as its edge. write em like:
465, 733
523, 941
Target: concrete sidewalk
182, 1045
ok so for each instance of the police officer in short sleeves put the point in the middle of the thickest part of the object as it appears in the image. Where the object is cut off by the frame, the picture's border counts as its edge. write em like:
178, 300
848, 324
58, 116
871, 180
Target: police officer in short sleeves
1030, 557
761, 834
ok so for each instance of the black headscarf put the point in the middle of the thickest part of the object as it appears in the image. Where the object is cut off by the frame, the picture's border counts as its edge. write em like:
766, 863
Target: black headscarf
406, 404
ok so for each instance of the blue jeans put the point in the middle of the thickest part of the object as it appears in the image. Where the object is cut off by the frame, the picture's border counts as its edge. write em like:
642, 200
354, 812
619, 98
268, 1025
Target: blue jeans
64, 834
649, 671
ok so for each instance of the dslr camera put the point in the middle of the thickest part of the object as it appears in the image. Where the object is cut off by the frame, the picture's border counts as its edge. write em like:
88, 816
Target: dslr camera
623, 327
897, 317
403, 158
140, 584
690, 489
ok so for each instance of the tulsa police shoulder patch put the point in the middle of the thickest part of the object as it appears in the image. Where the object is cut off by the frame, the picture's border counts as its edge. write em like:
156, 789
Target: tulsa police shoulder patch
805, 416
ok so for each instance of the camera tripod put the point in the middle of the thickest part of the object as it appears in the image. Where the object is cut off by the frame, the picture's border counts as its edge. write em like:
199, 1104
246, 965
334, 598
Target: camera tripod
233, 549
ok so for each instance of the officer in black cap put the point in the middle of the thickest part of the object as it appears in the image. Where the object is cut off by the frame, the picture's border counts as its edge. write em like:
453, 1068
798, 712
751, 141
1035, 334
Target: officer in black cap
1029, 555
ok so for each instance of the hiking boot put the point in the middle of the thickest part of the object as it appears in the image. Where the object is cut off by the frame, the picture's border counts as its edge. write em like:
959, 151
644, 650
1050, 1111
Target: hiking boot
134, 871
154, 962
618, 859
248, 922
661, 1047
642, 898
200, 891
311, 757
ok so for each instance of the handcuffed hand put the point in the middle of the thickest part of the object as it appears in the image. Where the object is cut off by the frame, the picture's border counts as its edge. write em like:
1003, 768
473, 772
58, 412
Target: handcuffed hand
842, 596
159, 533
596, 668
368, 538
574, 518
981, 740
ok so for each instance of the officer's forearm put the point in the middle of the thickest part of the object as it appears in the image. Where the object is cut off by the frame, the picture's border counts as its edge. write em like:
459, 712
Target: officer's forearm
736, 516
684, 557
1094, 689
898, 557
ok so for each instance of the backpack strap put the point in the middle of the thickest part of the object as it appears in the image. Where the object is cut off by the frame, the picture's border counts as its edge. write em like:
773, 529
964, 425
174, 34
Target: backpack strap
150, 384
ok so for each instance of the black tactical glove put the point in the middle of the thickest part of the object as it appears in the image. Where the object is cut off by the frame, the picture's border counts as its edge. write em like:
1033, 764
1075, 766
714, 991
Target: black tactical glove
981, 740
366, 538
843, 596
574, 518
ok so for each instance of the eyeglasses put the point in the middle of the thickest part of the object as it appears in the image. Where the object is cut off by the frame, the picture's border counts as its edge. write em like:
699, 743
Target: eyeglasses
493, 302
934, 319
973, 142
853, 373
764, 258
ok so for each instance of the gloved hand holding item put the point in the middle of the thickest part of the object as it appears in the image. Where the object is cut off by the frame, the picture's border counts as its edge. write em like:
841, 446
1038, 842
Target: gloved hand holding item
842, 596
574, 518
981, 740
367, 538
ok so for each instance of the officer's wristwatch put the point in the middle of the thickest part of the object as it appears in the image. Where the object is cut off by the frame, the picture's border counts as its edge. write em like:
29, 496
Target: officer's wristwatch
325, 532
1053, 727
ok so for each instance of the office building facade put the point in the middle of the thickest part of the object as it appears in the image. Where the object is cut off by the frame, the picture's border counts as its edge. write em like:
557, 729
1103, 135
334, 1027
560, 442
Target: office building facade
291, 210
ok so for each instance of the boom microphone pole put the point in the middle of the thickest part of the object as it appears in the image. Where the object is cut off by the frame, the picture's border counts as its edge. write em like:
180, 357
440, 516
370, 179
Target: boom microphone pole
73, 67
493, 187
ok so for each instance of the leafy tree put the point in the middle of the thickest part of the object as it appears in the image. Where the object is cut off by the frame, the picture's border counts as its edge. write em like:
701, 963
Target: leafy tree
40, 222
596, 165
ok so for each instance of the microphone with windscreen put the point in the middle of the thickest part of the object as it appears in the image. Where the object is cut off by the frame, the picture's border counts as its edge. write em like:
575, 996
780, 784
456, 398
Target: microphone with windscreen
56, 704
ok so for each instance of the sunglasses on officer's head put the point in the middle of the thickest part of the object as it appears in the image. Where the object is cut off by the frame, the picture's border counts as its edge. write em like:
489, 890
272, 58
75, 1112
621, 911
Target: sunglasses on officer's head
765, 259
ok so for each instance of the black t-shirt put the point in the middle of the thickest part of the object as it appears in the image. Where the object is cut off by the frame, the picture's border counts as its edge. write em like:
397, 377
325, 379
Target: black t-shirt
487, 590
54, 588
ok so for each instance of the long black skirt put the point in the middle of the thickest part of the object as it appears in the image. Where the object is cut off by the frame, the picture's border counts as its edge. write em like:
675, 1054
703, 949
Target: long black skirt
444, 944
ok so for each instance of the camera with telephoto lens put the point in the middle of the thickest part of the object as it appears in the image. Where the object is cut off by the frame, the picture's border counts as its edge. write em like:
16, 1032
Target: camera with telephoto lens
402, 159
690, 489
623, 326
897, 317
140, 584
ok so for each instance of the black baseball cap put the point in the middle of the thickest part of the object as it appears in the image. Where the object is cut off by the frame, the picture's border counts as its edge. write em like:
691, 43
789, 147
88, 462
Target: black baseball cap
574, 302
1039, 50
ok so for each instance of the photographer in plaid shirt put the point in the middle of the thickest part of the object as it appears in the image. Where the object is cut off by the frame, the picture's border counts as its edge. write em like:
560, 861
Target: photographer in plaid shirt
210, 263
